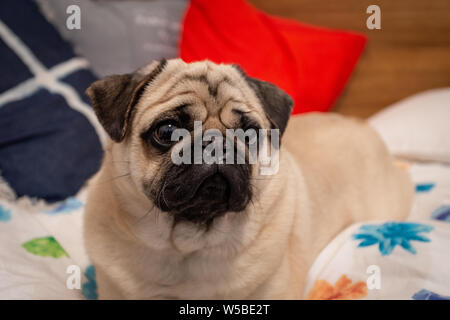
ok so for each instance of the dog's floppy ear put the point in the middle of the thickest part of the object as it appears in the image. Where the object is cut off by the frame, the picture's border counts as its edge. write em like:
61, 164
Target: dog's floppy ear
277, 104
114, 98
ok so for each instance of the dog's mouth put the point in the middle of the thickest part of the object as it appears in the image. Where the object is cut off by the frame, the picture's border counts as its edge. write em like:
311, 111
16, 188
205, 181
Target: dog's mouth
202, 193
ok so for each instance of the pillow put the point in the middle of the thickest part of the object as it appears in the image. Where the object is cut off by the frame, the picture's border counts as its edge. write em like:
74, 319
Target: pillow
417, 127
312, 64
119, 36
49, 143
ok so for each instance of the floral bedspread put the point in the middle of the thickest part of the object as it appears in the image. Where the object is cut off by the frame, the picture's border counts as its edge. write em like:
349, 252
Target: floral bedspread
42, 254
391, 259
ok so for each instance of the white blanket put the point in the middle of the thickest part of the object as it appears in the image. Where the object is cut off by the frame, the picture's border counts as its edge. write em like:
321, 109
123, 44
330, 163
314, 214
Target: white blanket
392, 260
42, 254
42, 247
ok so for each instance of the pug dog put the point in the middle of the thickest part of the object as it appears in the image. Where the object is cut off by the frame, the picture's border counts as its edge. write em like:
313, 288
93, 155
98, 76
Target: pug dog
155, 229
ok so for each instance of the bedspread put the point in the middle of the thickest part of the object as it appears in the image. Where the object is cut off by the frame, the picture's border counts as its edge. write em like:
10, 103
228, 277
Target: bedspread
42, 252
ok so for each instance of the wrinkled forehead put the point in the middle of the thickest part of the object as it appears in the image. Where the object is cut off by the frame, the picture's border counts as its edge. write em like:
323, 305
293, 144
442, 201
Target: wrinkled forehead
208, 87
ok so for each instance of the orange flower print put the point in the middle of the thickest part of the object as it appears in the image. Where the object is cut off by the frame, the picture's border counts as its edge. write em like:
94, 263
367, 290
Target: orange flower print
343, 290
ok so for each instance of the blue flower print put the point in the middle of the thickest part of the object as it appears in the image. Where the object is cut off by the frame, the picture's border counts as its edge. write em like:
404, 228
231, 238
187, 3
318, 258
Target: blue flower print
424, 187
5, 214
89, 289
425, 294
390, 234
67, 206
442, 213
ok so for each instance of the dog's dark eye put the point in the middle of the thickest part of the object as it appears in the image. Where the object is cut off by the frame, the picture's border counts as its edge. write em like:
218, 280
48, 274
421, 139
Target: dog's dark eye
163, 132
251, 129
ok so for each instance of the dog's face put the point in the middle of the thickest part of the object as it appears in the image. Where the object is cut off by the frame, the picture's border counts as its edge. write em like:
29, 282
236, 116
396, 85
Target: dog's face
143, 111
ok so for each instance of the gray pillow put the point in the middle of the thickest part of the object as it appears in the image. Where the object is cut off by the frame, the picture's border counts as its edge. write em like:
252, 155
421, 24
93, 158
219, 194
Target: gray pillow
118, 36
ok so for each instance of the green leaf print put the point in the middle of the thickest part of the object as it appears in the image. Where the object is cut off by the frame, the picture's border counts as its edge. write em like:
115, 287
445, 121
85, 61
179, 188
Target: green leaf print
45, 247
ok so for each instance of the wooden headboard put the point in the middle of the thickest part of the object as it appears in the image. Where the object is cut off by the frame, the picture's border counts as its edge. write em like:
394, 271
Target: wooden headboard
410, 53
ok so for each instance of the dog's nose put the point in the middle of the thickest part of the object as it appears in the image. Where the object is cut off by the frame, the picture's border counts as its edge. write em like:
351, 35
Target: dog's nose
215, 186
201, 193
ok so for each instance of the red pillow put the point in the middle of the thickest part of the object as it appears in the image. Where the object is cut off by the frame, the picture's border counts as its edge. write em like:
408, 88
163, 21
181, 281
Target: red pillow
312, 64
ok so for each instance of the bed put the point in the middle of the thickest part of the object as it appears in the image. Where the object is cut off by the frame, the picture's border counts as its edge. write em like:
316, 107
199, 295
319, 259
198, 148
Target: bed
43, 256
42, 197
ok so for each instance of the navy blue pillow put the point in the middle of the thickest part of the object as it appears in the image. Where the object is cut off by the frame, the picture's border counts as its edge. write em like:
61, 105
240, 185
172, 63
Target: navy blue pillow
48, 149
